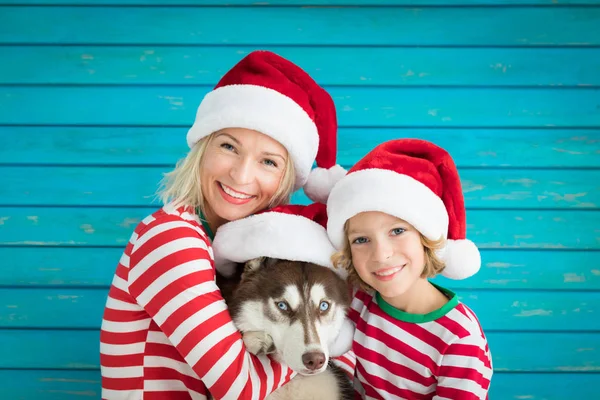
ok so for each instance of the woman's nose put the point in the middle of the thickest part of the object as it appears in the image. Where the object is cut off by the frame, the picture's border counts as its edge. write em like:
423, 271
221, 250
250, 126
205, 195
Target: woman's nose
242, 172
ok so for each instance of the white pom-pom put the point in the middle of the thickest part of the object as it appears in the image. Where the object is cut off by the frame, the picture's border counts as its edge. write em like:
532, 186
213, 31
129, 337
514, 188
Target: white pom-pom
462, 259
321, 181
225, 268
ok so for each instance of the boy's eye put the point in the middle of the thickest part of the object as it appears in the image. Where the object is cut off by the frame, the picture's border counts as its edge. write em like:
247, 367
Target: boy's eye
360, 240
227, 146
270, 163
398, 231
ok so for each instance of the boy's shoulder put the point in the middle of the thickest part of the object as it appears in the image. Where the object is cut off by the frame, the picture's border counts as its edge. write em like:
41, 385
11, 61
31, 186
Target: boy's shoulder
463, 323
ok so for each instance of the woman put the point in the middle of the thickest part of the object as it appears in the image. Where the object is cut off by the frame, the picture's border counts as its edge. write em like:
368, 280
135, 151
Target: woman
166, 331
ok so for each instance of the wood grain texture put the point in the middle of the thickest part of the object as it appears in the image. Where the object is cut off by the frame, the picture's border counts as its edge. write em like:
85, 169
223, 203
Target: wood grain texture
79, 350
356, 106
79, 385
307, 2
361, 66
496, 310
98, 226
428, 26
514, 148
483, 188
74, 267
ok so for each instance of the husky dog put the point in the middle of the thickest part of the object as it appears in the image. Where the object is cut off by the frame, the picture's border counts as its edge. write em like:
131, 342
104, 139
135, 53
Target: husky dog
294, 311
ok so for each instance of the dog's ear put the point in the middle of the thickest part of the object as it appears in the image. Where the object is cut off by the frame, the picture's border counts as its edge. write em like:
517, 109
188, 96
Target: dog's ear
254, 264
260, 262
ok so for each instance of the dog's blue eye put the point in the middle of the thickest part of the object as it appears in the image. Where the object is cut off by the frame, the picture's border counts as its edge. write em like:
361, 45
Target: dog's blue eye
282, 305
324, 306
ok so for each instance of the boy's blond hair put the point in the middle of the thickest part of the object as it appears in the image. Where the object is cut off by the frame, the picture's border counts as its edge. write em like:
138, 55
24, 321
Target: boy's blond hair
182, 187
433, 264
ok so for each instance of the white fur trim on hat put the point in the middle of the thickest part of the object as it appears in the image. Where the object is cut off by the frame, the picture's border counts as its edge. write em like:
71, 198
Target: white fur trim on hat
462, 259
272, 234
321, 181
386, 191
264, 110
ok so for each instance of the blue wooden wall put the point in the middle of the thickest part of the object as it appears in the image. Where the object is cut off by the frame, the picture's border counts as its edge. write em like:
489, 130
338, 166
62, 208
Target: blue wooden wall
96, 97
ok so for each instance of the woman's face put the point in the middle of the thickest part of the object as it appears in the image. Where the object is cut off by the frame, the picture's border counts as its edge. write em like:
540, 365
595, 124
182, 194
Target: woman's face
240, 173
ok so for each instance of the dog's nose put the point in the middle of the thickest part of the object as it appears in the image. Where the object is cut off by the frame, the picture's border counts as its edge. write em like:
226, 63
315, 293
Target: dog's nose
313, 360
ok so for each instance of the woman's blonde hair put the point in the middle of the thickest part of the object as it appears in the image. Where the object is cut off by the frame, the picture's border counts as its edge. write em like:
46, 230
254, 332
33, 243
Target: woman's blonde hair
182, 187
433, 264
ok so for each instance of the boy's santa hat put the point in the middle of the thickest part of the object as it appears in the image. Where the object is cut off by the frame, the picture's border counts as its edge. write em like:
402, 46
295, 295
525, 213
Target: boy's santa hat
290, 232
269, 94
413, 180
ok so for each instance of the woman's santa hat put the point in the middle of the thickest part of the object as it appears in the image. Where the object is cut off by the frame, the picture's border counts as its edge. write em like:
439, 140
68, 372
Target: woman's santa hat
291, 232
413, 180
269, 94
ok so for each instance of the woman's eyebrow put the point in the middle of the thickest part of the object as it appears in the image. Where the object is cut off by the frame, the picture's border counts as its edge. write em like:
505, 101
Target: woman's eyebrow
266, 153
229, 136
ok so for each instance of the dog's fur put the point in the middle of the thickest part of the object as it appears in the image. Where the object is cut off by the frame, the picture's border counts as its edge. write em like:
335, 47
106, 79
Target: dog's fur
255, 297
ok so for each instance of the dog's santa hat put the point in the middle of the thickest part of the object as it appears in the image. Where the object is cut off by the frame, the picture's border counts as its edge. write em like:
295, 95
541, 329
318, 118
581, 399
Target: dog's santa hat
413, 180
290, 232
269, 94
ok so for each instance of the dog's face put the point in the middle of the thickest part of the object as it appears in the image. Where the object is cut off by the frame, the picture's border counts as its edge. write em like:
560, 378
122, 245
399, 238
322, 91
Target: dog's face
301, 306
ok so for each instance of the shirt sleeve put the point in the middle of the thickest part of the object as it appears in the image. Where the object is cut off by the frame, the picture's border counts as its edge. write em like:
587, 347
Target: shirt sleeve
466, 370
172, 277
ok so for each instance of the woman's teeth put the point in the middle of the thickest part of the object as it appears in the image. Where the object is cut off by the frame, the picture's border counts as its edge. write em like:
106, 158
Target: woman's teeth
233, 193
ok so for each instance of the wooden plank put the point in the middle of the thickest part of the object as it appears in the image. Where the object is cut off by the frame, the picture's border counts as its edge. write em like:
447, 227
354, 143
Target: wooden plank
483, 188
534, 229
329, 66
534, 386
356, 106
50, 385
501, 269
61, 349
304, 2
79, 350
515, 148
496, 310
464, 26
74, 384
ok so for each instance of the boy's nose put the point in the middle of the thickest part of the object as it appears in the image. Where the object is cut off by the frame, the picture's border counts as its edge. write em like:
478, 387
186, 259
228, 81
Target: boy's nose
383, 251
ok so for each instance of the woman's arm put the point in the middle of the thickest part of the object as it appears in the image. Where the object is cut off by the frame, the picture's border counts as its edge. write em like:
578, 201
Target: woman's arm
466, 370
172, 277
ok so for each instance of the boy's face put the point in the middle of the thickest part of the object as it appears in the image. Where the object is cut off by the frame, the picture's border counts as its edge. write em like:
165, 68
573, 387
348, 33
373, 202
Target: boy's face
387, 252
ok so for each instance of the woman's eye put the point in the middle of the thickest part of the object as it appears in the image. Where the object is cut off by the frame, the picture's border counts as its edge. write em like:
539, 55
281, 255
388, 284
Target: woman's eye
360, 240
270, 163
324, 306
282, 305
398, 231
227, 146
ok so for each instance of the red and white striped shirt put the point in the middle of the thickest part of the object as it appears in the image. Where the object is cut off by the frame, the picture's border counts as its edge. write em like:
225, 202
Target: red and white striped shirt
166, 331
440, 355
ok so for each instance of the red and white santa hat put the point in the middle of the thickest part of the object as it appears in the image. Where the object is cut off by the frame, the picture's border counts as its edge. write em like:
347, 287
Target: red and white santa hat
290, 232
269, 94
413, 180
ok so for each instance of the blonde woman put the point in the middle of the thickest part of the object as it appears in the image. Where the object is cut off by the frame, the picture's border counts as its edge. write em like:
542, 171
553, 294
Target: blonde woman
166, 331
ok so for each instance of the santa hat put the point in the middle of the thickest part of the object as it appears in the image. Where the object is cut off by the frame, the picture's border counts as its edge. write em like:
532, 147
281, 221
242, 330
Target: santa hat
290, 232
413, 180
269, 94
